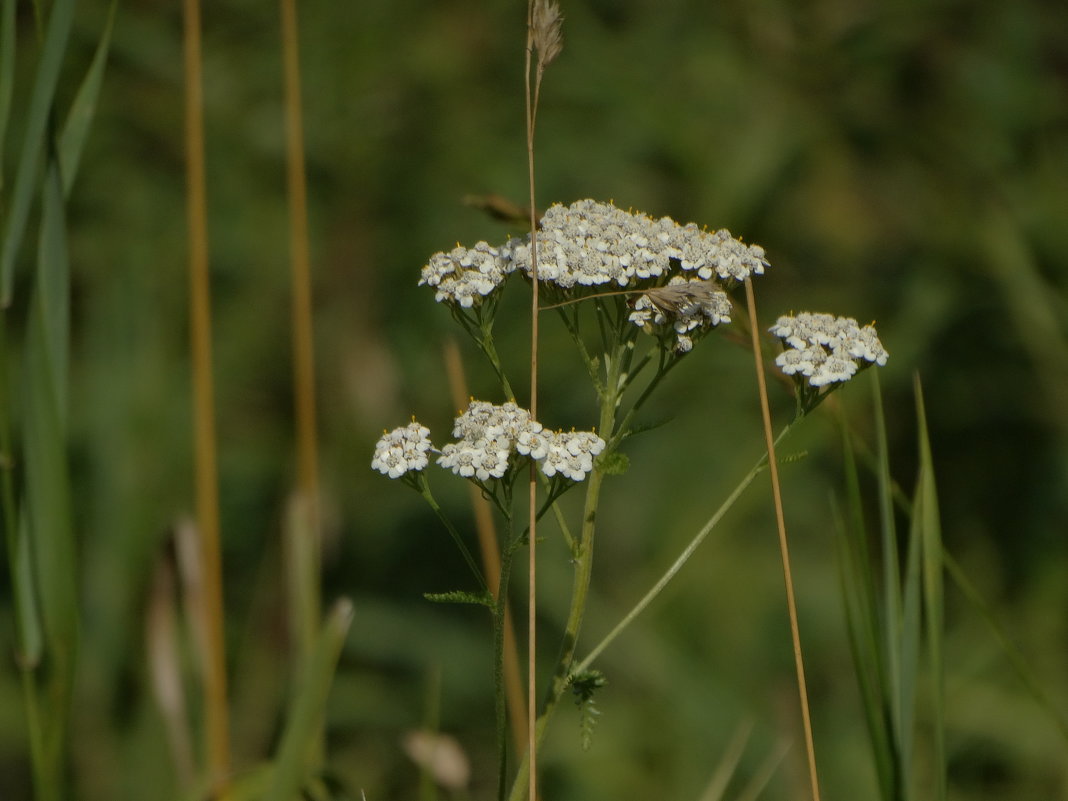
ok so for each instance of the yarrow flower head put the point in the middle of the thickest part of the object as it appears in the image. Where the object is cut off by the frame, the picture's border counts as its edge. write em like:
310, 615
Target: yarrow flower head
402, 450
464, 276
685, 303
488, 435
824, 349
592, 244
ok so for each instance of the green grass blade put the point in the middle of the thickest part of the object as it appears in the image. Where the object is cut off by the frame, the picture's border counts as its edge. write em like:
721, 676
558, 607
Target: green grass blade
16, 527
925, 512
859, 592
47, 483
306, 711
910, 632
24, 592
55, 46
53, 287
892, 613
76, 128
7, 75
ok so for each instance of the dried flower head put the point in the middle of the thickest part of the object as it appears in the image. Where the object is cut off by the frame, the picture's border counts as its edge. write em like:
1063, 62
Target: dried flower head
547, 34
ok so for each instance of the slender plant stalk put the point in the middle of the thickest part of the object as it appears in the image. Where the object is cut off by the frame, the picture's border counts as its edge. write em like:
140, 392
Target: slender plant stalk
682, 559
582, 559
307, 529
491, 566
500, 626
303, 342
530, 105
784, 547
207, 501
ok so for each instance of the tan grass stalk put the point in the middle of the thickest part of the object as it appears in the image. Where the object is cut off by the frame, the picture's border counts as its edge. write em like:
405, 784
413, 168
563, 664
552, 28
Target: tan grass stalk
304, 533
491, 565
303, 341
784, 548
544, 37
532, 708
216, 717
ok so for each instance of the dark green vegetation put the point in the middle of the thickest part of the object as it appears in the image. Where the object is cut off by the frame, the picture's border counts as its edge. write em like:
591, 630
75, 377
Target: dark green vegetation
905, 163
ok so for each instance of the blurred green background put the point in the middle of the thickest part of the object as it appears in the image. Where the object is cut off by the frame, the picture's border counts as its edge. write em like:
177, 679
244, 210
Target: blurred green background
902, 162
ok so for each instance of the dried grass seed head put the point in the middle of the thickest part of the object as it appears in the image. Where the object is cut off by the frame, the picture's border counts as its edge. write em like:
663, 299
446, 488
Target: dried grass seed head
548, 31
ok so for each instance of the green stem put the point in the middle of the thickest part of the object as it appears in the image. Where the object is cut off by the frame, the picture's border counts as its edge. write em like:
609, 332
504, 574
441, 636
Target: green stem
683, 557
424, 488
583, 562
486, 343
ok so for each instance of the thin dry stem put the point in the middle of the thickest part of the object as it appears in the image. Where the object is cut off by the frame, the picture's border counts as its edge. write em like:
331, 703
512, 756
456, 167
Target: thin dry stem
216, 715
784, 548
491, 565
305, 531
540, 35
303, 342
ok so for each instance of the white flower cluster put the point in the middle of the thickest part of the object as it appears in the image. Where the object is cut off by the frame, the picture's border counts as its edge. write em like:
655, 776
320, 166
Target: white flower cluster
489, 434
487, 437
402, 449
826, 349
569, 454
465, 275
592, 244
685, 303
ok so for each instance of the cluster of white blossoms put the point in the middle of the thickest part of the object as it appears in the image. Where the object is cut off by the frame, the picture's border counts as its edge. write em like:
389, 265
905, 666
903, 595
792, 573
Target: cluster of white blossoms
465, 275
487, 436
594, 244
402, 449
568, 453
826, 349
684, 303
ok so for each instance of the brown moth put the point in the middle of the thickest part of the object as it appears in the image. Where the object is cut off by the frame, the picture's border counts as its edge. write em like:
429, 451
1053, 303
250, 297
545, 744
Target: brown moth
683, 299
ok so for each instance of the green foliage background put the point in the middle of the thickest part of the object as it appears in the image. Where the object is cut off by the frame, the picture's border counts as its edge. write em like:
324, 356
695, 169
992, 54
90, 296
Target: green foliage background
902, 162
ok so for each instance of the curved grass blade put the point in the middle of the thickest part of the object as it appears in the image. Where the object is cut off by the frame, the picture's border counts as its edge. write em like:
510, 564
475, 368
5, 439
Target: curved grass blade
7, 73
859, 594
926, 519
47, 501
306, 711
80, 116
55, 46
